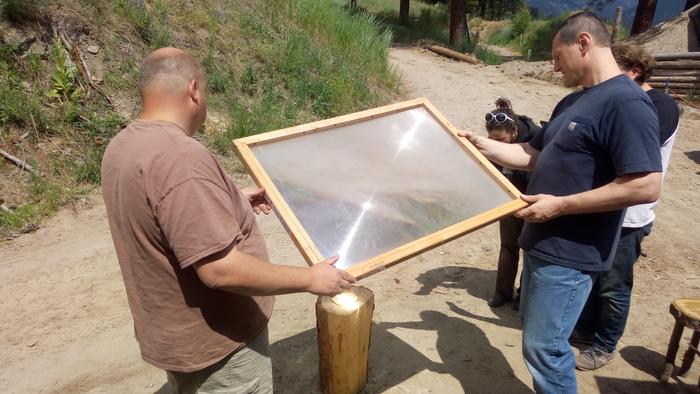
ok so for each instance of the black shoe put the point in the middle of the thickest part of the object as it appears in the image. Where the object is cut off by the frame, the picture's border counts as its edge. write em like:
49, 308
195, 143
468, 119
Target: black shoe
516, 303
498, 300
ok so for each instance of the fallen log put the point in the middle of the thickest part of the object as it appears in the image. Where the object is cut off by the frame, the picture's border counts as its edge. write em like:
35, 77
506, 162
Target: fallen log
682, 91
673, 65
675, 85
687, 72
674, 79
19, 162
678, 56
453, 54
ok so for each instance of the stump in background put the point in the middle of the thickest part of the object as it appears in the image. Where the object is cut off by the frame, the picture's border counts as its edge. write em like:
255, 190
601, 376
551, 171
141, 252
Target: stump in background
344, 324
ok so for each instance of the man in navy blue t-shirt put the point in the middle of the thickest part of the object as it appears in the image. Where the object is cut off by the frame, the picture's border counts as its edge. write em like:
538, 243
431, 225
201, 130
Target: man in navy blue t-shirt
598, 155
604, 317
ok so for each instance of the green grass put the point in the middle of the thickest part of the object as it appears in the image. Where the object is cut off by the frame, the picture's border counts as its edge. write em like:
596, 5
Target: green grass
536, 35
19, 107
46, 197
426, 22
151, 25
268, 64
325, 62
538, 38
19, 10
502, 37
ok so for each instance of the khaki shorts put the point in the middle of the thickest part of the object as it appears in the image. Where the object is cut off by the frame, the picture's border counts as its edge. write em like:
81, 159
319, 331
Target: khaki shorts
249, 370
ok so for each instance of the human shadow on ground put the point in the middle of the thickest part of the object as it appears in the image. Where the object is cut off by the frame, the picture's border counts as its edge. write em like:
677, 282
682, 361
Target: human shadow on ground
652, 363
610, 385
464, 351
694, 156
479, 283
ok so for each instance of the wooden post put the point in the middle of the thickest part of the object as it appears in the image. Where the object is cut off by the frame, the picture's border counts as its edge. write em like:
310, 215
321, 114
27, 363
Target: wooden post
529, 54
344, 323
616, 26
476, 41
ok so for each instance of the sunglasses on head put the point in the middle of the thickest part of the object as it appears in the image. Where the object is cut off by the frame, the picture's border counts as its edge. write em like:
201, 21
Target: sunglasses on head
498, 117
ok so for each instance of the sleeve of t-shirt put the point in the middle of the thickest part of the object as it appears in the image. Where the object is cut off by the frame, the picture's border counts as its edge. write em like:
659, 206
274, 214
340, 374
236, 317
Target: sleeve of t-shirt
197, 218
537, 142
668, 112
631, 138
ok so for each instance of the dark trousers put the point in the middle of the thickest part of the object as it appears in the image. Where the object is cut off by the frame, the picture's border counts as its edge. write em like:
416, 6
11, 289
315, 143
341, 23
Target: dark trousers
509, 255
608, 306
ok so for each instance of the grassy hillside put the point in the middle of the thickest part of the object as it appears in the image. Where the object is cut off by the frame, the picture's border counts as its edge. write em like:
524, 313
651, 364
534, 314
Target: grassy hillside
269, 64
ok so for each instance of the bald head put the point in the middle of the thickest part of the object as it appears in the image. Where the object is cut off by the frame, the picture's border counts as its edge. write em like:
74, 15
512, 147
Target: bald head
168, 70
172, 88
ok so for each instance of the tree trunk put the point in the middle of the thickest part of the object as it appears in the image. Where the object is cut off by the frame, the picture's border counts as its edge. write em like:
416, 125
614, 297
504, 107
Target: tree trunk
616, 26
644, 16
344, 324
458, 21
403, 12
482, 9
690, 4
353, 4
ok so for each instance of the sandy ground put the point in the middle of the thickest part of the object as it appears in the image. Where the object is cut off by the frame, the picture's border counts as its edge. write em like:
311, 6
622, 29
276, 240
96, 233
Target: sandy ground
66, 326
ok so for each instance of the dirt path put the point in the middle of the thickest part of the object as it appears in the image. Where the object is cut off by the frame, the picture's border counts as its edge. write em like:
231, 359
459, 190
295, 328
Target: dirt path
67, 328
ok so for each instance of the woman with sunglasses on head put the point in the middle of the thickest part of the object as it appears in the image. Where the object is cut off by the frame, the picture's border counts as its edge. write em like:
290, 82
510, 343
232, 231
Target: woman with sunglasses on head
502, 124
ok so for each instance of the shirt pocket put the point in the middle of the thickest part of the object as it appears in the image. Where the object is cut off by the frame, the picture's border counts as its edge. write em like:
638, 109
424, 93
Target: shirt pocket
575, 135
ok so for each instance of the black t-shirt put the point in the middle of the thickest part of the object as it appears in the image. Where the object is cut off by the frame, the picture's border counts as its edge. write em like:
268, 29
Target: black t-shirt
593, 137
669, 114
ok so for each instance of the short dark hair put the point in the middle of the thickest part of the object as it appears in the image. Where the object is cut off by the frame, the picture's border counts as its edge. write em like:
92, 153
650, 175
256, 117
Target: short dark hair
586, 21
628, 56
168, 67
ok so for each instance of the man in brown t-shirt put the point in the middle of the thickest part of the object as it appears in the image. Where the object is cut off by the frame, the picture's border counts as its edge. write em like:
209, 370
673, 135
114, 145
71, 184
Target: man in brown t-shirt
193, 259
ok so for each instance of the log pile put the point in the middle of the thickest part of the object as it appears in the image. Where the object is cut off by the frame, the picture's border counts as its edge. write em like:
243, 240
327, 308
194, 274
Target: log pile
679, 72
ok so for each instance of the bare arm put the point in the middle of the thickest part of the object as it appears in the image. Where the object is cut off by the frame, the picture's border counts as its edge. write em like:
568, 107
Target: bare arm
514, 156
622, 192
241, 273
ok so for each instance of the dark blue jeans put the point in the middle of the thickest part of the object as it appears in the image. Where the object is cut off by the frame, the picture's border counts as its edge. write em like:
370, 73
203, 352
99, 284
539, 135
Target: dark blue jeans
551, 300
606, 311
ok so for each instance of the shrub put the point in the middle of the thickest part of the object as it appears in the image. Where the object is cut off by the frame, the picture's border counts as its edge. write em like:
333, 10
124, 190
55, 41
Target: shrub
19, 10
539, 38
521, 21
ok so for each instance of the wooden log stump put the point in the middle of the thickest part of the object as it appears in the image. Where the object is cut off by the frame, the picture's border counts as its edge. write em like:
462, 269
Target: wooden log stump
344, 323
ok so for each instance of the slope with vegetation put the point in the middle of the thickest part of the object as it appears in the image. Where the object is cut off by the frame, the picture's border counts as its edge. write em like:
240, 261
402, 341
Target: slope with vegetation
269, 65
429, 21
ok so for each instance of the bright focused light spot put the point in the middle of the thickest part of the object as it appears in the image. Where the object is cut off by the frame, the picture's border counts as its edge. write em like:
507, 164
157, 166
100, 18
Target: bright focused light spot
366, 206
347, 300
406, 141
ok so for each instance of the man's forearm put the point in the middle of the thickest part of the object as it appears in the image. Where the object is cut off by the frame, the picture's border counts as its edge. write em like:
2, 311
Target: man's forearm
245, 274
513, 156
623, 192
